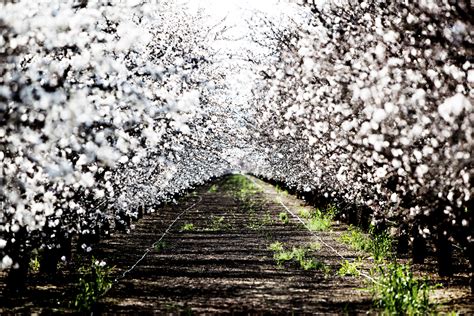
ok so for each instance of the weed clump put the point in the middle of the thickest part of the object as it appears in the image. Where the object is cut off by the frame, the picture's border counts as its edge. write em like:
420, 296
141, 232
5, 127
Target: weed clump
218, 223
317, 220
350, 268
297, 255
283, 217
94, 282
188, 227
379, 245
397, 292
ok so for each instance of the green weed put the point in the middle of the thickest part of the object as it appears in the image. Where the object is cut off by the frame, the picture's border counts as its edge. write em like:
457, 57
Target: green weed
320, 221
304, 213
94, 282
317, 220
315, 246
213, 188
378, 245
350, 268
218, 224
160, 246
188, 227
283, 217
276, 246
256, 223
397, 292
34, 264
297, 255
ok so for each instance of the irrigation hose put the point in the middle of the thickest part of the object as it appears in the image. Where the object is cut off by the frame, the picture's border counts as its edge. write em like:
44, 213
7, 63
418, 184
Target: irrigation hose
152, 247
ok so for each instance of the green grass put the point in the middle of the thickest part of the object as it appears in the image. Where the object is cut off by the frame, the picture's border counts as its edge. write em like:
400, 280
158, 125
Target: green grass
240, 187
378, 245
397, 292
218, 223
34, 263
283, 217
256, 222
95, 281
350, 268
299, 256
160, 246
188, 227
318, 220
213, 188
281, 190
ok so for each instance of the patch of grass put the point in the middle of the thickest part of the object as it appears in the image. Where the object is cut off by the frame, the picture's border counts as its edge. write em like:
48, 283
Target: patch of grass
318, 220
213, 188
378, 245
94, 282
240, 187
218, 224
267, 219
34, 263
257, 223
315, 246
304, 213
350, 268
283, 217
356, 239
188, 227
397, 292
297, 255
160, 246
381, 246
280, 190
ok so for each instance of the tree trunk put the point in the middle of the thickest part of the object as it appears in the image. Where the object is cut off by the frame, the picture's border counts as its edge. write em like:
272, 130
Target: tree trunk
444, 251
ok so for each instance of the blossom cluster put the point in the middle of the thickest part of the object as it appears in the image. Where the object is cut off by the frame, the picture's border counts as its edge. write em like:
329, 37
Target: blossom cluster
106, 109
372, 105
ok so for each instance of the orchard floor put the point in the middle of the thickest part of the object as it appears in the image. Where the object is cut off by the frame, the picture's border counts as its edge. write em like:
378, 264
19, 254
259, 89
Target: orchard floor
220, 264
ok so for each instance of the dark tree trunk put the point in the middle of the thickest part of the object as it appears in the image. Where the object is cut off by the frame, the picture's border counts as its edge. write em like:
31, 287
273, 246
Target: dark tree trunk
418, 248
403, 241
16, 279
444, 252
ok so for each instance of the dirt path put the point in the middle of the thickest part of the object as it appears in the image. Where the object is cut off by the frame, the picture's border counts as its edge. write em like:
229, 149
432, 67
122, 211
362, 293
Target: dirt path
216, 258
222, 263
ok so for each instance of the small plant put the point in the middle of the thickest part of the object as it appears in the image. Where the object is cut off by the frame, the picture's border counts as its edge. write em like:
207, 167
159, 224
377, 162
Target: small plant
381, 247
304, 213
267, 219
160, 246
316, 220
378, 245
255, 223
213, 188
276, 246
34, 264
356, 239
320, 221
298, 255
283, 217
315, 246
218, 223
397, 292
93, 283
188, 227
350, 268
